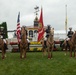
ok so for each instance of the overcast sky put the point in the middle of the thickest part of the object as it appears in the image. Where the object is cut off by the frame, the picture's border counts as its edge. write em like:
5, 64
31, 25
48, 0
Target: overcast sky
53, 12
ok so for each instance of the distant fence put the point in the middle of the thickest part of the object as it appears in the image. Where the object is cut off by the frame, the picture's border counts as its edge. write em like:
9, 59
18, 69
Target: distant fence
32, 47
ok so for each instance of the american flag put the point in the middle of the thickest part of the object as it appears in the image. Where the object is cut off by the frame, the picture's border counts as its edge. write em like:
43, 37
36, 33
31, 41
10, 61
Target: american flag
18, 28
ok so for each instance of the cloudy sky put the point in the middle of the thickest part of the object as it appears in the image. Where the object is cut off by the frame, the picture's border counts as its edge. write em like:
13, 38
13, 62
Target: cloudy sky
53, 12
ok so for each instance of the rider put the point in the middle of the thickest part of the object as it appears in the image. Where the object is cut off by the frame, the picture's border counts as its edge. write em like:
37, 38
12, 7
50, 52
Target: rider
48, 31
2, 36
70, 33
47, 35
49, 28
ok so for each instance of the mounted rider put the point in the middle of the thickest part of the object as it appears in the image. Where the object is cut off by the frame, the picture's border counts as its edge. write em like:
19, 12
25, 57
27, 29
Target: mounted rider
48, 29
44, 40
2, 36
70, 32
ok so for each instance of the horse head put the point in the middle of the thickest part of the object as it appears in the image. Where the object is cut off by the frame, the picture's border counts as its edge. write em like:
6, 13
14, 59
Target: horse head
23, 33
51, 33
51, 37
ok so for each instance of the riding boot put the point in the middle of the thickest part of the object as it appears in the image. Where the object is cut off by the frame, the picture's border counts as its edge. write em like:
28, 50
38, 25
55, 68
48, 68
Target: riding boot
5, 46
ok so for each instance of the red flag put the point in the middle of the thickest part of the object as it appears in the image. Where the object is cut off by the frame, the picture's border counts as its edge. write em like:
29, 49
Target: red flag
41, 27
18, 28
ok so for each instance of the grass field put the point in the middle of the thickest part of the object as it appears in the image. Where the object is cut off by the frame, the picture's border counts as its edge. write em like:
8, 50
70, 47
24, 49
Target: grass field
36, 64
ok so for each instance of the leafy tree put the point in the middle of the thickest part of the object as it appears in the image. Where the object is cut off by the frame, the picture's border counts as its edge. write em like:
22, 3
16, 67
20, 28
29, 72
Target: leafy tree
4, 24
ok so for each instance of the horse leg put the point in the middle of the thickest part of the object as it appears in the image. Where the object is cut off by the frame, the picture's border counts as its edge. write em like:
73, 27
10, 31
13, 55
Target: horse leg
24, 53
75, 54
75, 51
26, 48
71, 52
2, 53
20, 53
52, 51
44, 51
66, 45
65, 50
49, 55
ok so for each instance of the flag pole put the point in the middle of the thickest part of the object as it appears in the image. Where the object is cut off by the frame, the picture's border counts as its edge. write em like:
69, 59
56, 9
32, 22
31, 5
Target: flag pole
66, 19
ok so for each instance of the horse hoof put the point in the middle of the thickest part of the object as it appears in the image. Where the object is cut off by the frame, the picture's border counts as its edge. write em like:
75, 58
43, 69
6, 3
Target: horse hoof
49, 58
20, 57
65, 54
71, 56
24, 56
75, 56
3, 58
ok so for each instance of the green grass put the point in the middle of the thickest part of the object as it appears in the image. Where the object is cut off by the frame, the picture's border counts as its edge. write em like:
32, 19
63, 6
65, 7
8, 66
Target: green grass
36, 64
